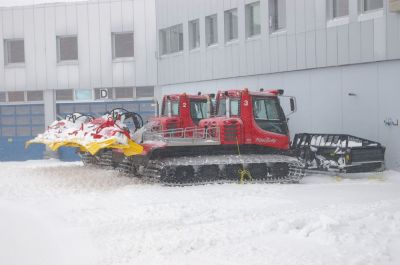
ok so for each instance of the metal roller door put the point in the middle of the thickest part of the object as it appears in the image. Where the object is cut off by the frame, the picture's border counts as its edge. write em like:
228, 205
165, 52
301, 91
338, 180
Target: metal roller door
18, 124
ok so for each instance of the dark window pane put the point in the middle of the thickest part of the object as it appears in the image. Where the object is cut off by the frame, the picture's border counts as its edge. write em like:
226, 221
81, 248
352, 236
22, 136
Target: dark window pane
64, 94
123, 92
123, 45
35, 95
171, 39
372, 4
16, 96
14, 51
211, 30
2, 96
194, 34
67, 48
145, 92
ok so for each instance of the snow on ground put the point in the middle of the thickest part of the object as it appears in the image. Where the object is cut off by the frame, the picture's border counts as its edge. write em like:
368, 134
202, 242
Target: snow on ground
64, 213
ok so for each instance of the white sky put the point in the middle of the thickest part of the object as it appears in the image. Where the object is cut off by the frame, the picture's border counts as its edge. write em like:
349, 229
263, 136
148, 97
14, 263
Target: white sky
30, 2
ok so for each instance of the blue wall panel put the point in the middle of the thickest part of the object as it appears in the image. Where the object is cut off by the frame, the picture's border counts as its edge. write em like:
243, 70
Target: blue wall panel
18, 124
13, 149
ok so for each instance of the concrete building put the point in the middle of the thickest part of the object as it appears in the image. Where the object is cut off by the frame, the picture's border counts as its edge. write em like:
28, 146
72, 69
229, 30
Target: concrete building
57, 58
340, 58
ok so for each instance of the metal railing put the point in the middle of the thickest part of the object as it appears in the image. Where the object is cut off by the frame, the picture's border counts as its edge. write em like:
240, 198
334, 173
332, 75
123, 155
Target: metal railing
185, 136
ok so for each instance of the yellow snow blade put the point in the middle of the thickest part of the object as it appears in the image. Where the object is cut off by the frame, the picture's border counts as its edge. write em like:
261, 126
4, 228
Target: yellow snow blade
129, 149
94, 147
133, 149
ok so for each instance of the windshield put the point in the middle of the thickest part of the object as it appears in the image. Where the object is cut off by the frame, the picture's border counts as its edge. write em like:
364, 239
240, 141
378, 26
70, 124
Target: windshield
174, 107
269, 115
235, 103
198, 109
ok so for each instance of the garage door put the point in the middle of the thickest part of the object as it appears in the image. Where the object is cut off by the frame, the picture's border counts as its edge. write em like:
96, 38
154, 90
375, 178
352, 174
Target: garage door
18, 124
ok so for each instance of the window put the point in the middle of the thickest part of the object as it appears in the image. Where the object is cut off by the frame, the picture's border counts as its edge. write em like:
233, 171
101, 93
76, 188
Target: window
35, 95
2, 96
253, 22
16, 96
123, 92
103, 93
194, 34
65, 94
337, 8
123, 45
231, 25
269, 115
171, 39
14, 51
174, 108
369, 5
67, 48
145, 92
198, 110
211, 30
277, 15
83, 94
235, 107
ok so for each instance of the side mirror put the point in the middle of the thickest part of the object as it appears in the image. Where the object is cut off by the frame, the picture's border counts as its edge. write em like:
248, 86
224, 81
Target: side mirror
292, 105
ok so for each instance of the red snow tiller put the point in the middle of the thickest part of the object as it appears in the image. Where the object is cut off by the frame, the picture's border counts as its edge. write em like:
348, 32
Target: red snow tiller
235, 135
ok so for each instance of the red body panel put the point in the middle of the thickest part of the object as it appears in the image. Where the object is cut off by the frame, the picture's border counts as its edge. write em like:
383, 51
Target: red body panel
181, 120
247, 130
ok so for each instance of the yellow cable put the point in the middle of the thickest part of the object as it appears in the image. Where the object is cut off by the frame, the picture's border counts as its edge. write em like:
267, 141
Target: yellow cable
243, 172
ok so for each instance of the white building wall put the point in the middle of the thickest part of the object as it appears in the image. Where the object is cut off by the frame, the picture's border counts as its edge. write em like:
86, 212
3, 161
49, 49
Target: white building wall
323, 100
308, 41
93, 22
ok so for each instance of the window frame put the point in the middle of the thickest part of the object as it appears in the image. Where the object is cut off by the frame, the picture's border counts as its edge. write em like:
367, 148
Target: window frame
249, 19
58, 40
166, 49
209, 30
228, 23
18, 101
65, 100
6, 51
114, 57
364, 11
194, 38
331, 10
27, 96
274, 27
